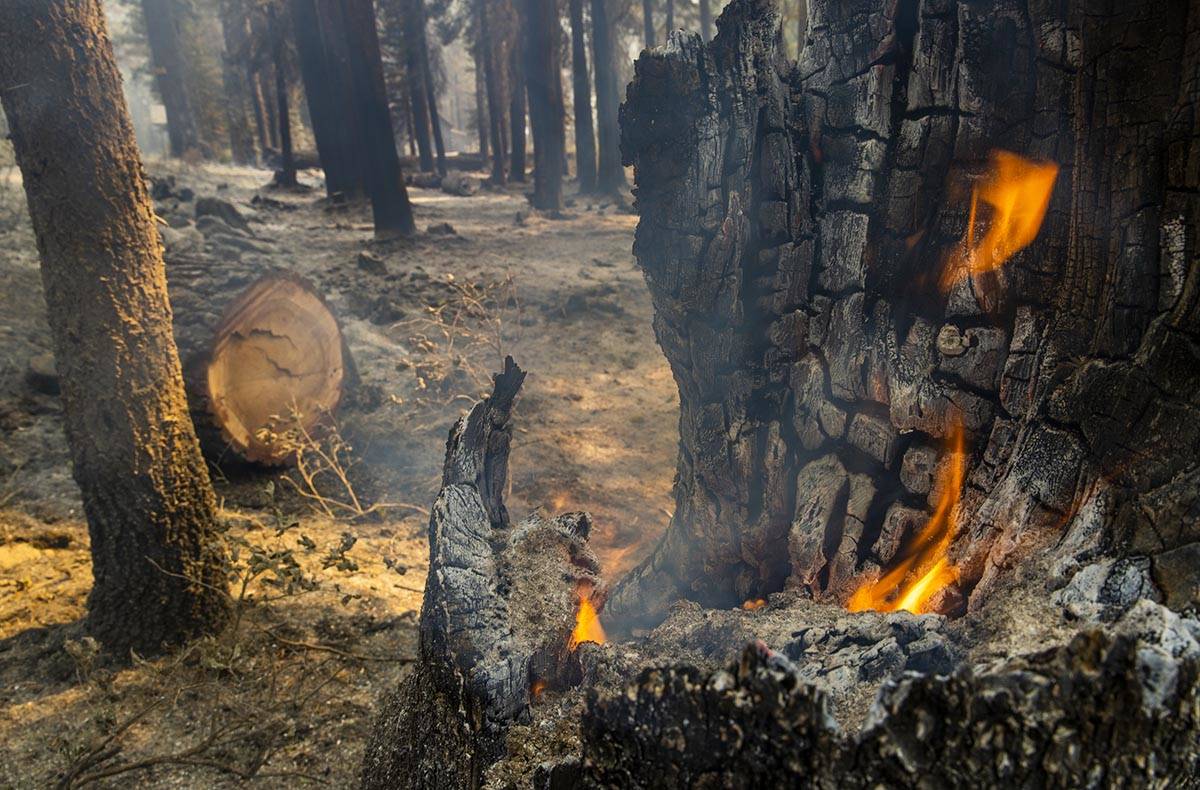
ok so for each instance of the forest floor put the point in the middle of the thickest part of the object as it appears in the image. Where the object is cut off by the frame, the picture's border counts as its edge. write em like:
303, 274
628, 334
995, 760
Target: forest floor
285, 697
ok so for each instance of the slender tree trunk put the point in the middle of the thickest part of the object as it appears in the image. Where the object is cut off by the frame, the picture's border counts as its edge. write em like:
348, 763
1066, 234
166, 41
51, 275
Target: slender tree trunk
157, 567
266, 81
648, 22
610, 175
435, 121
235, 28
670, 17
585, 136
516, 106
286, 175
250, 75
482, 126
543, 70
166, 57
390, 207
706, 20
801, 25
320, 44
495, 115
409, 131
414, 72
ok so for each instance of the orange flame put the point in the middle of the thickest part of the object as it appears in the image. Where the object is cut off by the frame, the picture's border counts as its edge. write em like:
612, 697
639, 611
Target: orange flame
1018, 191
753, 605
925, 569
537, 688
587, 622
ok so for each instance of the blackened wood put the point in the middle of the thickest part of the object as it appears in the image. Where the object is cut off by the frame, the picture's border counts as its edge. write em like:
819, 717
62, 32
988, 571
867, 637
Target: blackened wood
542, 34
435, 119
492, 91
610, 175
235, 29
324, 89
482, 127
648, 23
163, 34
516, 101
412, 21
286, 175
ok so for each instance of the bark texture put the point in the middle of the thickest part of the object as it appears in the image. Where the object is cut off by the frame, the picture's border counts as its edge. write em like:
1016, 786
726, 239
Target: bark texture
157, 567
497, 614
795, 220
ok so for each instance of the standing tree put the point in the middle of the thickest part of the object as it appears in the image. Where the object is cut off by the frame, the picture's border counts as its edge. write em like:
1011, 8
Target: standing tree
285, 176
235, 27
482, 126
167, 58
495, 115
648, 22
706, 20
156, 563
585, 136
610, 176
516, 107
546, 112
411, 20
435, 120
670, 17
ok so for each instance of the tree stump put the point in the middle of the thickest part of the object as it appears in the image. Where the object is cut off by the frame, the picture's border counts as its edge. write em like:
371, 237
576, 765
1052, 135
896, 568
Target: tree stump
813, 236
499, 610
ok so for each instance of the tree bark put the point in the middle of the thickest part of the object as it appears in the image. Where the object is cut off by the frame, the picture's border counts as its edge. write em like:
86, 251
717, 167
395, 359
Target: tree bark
166, 56
585, 137
325, 81
286, 175
516, 102
256, 104
495, 116
546, 111
822, 369
156, 563
435, 120
648, 23
610, 175
235, 27
390, 208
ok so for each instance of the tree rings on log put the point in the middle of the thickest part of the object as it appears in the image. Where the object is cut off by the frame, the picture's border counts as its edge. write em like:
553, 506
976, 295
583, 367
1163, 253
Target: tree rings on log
277, 360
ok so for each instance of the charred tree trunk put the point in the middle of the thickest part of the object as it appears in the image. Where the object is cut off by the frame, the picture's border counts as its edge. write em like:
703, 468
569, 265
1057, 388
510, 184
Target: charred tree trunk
235, 27
482, 126
670, 17
286, 175
166, 56
546, 110
494, 113
648, 23
838, 345
585, 137
414, 71
496, 619
390, 208
610, 175
261, 128
516, 104
157, 566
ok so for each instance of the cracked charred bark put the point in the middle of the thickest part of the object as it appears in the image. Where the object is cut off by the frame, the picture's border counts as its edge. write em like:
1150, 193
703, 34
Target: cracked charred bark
157, 566
794, 219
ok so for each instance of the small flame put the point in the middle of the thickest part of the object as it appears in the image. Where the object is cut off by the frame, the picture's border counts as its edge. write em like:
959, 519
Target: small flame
754, 605
537, 688
926, 569
1018, 191
587, 622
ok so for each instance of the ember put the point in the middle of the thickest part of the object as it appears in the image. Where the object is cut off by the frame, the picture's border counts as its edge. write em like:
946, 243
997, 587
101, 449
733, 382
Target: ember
753, 605
1018, 191
587, 622
925, 569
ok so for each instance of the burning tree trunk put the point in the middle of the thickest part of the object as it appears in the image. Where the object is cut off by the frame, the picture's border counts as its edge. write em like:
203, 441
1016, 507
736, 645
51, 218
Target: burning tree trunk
585, 136
151, 512
893, 383
542, 33
500, 606
167, 57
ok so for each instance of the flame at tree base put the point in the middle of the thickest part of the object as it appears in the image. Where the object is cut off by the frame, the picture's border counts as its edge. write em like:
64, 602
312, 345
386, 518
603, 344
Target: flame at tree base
925, 569
587, 622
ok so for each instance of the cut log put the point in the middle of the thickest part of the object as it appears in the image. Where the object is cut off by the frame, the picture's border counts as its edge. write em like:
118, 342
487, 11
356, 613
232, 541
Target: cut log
497, 618
276, 361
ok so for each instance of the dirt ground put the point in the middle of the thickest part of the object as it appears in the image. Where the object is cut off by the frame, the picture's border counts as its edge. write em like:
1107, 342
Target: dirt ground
328, 604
